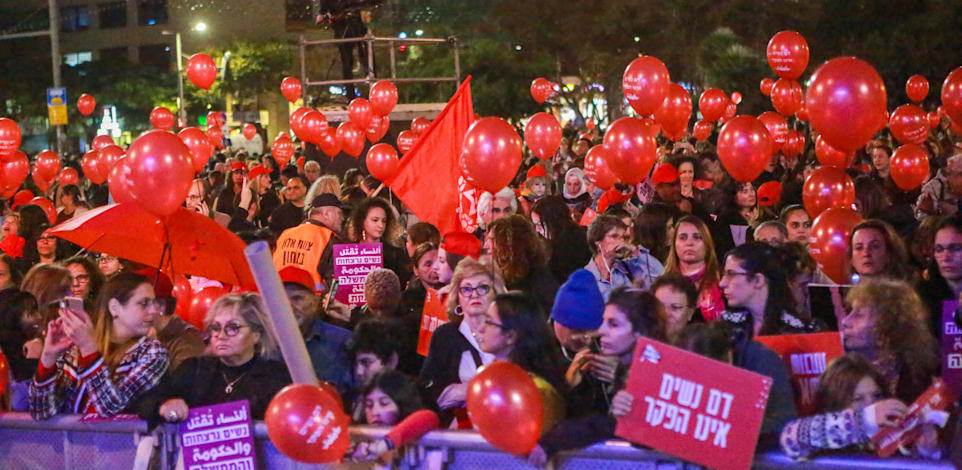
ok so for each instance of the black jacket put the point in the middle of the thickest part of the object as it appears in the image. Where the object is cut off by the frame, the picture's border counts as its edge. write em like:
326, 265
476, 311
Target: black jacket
440, 368
568, 252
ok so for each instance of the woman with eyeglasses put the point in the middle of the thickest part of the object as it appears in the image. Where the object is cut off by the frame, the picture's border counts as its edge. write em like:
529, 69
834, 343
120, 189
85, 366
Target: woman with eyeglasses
86, 278
243, 364
100, 368
454, 356
109, 264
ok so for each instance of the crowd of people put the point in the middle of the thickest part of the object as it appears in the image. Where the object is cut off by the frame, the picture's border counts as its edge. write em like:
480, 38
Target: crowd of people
561, 279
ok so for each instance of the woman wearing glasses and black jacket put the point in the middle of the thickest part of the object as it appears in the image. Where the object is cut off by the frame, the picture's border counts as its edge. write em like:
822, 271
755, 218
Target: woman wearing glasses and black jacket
242, 365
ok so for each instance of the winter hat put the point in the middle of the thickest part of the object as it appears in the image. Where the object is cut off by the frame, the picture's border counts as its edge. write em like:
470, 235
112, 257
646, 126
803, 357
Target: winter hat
579, 304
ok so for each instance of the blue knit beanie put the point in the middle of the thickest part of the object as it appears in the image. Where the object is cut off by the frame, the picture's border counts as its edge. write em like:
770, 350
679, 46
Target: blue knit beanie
579, 304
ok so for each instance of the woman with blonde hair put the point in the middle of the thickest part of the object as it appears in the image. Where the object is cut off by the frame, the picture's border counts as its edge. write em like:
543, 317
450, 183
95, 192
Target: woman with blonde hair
324, 184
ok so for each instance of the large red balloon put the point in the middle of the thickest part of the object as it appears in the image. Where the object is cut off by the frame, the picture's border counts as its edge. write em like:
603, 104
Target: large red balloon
846, 102
825, 188
788, 54
201, 70
632, 150
951, 98
596, 167
41, 183
92, 168
377, 128
47, 164
909, 166
541, 89
645, 84
766, 86
794, 144
68, 176
109, 156
183, 293
350, 137
86, 104
24, 196
48, 208
420, 125
383, 97
934, 119
215, 135
490, 154
787, 97
745, 148
200, 147
382, 161
291, 88
406, 140
215, 117
702, 130
829, 239
15, 167
118, 180
830, 156
282, 150
101, 141
505, 406
249, 131
200, 302
313, 125
675, 111
542, 134
917, 87
360, 112
712, 103
777, 126
329, 144
306, 424
296, 121
9, 136
162, 118
160, 172
909, 124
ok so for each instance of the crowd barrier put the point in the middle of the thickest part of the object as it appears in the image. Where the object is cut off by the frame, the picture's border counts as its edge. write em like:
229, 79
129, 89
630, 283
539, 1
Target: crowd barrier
68, 442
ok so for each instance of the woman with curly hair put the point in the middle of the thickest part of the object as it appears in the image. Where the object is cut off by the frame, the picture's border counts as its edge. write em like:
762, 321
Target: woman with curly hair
515, 247
373, 221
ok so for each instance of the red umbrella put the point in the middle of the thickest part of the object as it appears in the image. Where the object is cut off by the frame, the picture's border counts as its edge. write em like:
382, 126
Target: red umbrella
194, 244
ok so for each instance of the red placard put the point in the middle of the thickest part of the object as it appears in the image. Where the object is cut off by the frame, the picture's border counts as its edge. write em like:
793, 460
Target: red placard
806, 357
693, 407
588, 217
938, 397
433, 315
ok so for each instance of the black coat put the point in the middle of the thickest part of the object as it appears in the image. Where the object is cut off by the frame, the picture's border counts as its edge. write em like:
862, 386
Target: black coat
568, 252
440, 368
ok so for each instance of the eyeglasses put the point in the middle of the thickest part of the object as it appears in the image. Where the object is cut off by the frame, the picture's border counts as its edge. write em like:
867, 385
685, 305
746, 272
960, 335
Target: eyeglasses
731, 274
481, 289
158, 303
230, 330
82, 278
953, 248
491, 323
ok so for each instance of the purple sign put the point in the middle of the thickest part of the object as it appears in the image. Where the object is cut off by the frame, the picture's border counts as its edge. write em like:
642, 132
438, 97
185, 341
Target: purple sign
352, 262
951, 346
218, 437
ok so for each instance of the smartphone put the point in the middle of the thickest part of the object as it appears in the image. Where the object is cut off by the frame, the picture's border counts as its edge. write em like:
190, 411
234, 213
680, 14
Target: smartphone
330, 293
595, 345
74, 304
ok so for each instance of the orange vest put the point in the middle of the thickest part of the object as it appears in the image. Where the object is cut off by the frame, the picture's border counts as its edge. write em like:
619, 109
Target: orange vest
302, 247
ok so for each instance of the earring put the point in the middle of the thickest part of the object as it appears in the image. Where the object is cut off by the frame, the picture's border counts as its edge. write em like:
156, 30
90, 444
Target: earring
458, 311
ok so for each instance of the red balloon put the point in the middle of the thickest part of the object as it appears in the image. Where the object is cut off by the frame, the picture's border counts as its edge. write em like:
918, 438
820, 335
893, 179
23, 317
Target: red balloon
296, 121
183, 293
9, 136
162, 118
490, 154
160, 172
118, 180
632, 150
766, 86
730, 111
917, 87
828, 244
794, 144
249, 131
909, 166
383, 97
47, 164
675, 111
951, 98
645, 83
596, 167
802, 113
846, 102
15, 167
956, 128
200, 302
541, 89
825, 188
216, 117
291, 88
745, 147
41, 183
329, 144
382, 161
68, 176
282, 150
360, 112
300, 163
788, 54
420, 125
350, 137
377, 128
712, 104
24, 196
777, 127
406, 140
4, 373
787, 97
48, 208
109, 156
909, 124
330, 390
306, 424
215, 135
201, 70
934, 119
650, 127
702, 130
505, 406
313, 125
830, 156
92, 168
736, 97
200, 147
542, 134
86, 104
101, 141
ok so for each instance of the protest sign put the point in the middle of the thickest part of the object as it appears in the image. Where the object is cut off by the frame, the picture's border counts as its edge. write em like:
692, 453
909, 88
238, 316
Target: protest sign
218, 437
693, 407
806, 357
433, 315
927, 409
352, 262
951, 346
588, 217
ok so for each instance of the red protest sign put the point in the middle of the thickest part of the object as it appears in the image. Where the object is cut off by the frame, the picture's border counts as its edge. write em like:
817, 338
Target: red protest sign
938, 397
433, 315
588, 217
806, 356
693, 407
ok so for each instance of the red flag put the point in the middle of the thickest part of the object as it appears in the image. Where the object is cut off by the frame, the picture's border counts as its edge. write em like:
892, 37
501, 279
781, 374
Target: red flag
427, 178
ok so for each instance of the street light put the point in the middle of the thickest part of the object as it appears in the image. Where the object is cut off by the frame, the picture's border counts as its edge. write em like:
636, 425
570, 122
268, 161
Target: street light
181, 111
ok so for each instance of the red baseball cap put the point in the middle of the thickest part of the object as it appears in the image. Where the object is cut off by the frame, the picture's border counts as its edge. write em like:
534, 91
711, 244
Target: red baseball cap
664, 173
769, 193
238, 166
257, 170
297, 276
610, 198
536, 170
463, 244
